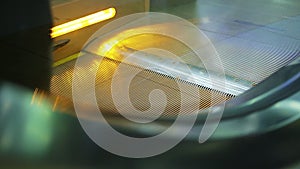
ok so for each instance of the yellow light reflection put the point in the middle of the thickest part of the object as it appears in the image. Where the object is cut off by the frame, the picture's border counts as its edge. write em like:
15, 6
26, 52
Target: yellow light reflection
83, 22
34, 95
115, 47
107, 46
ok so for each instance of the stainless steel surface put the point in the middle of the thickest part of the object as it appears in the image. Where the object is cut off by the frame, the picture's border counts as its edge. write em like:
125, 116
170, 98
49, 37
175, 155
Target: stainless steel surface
145, 81
253, 41
177, 69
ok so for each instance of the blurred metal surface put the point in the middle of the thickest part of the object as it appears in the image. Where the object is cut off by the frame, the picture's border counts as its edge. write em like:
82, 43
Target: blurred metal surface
250, 46
34, 137
262, 36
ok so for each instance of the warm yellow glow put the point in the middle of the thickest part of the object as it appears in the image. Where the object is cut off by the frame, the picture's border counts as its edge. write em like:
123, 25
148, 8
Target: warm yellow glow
107, 47
36, 90
83, 22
